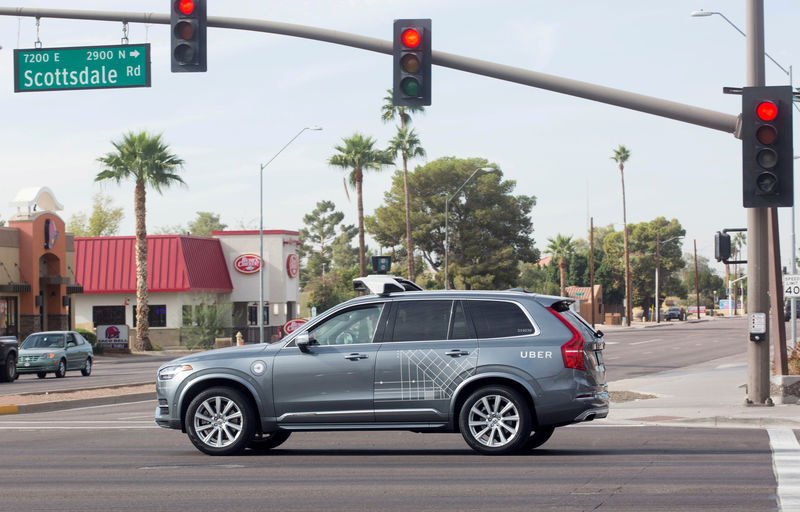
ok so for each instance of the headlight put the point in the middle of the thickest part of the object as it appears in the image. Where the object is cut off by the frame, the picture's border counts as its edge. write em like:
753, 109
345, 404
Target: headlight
50, 355
168, 372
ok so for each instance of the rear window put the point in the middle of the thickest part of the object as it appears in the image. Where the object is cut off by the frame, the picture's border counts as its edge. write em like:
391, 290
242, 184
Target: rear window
496, 319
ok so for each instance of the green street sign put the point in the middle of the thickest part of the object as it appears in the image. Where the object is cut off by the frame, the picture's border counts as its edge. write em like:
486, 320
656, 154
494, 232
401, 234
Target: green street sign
83, 67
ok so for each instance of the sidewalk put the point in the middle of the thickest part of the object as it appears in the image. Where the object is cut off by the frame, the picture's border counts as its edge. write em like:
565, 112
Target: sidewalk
707, 394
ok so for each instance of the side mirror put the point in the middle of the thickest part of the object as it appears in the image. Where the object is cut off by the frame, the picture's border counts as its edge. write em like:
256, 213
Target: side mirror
302, 341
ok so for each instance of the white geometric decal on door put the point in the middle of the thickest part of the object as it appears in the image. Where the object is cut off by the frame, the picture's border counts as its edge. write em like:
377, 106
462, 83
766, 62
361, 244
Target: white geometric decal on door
427, 375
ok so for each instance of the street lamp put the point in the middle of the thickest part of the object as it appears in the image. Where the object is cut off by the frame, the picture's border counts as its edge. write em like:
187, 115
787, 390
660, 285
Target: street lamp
658, 270
447, 216
261, 233
703, 14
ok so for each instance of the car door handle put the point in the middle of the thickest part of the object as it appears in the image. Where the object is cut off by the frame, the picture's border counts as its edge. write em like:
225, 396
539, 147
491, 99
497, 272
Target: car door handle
355, 356
457, 353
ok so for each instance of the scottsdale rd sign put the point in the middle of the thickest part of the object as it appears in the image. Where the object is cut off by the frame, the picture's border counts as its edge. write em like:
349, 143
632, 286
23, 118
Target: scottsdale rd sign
84, 67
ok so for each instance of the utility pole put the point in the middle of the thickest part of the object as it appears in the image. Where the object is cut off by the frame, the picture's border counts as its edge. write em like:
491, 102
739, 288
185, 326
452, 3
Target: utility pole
757, 231
696, 282
591, 265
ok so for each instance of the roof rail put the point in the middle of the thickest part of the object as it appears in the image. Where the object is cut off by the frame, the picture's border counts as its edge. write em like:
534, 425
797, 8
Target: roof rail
383, 284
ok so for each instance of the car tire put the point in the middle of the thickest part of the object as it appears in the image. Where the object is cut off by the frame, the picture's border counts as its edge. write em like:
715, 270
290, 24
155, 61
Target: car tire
62, 369
87, 368
220, 421
495, 420
262, 442
41, 375
538, 438
8, 373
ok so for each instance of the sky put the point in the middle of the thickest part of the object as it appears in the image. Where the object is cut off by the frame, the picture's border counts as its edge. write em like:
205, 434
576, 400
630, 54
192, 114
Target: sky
262, 89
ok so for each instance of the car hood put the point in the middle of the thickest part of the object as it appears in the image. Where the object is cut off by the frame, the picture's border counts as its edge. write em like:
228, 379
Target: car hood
224, 353
34, 351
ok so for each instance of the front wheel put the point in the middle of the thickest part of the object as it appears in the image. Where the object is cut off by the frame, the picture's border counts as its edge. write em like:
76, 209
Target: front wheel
62, 369
495, 420
87, 368
220, 421
268, 440
8, 373
41, 375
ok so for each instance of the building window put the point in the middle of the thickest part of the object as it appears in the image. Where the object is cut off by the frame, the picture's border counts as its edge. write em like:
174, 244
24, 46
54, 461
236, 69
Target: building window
156, 316
8, 316
252, 315
108, 315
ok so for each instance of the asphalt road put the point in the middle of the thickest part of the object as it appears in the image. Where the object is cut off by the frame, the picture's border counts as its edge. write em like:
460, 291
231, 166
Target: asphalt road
115, 458
634, 352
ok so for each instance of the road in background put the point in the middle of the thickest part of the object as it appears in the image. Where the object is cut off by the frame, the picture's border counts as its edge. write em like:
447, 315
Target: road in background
634, 352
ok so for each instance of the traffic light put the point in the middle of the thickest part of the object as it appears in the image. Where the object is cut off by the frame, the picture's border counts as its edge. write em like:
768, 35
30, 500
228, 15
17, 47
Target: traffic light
767, 153
411, 48
722, 246
188, 24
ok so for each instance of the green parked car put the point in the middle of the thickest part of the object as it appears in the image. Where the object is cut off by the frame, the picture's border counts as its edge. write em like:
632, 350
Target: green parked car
55, 352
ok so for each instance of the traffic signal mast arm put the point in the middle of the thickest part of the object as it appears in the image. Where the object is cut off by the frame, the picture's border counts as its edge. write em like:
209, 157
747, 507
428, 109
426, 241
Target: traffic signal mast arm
663, 108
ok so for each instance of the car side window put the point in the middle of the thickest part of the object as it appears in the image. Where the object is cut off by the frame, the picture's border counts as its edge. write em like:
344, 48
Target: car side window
70, 340
422, 320
498, 319
459, 329
354, 325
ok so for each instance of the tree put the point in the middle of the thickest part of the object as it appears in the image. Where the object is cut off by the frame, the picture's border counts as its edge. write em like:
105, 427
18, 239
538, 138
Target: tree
406, 144
205, 223
317, 238
711, 285
358, 153
146, 160
104, 221
561, 248
490, 229
621, 155
389, 111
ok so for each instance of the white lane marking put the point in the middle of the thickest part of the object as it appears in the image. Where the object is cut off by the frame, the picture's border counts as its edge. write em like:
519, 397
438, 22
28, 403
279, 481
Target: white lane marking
646, 341
612, 343
86, 427
786, 465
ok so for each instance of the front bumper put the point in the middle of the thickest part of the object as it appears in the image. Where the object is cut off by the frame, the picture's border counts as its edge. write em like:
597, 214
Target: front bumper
46, 365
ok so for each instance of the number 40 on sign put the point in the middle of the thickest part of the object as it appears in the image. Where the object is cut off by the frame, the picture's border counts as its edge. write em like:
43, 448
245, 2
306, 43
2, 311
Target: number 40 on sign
791, 286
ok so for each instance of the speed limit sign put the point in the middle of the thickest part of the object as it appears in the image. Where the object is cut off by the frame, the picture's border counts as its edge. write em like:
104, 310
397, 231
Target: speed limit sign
791, 286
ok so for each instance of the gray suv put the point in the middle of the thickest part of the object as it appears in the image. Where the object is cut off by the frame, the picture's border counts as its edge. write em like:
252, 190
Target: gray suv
504, 368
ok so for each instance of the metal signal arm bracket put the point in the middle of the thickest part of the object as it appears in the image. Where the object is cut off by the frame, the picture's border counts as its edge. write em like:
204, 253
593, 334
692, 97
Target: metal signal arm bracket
734, 262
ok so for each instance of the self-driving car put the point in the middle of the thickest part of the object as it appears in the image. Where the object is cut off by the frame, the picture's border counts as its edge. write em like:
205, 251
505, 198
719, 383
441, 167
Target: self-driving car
503, 368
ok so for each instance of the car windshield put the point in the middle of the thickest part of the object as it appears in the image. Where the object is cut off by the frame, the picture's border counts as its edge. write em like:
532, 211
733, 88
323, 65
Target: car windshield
674, 309
44, 341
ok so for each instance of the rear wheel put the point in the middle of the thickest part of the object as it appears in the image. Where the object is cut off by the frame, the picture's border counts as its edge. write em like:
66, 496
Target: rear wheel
8, 373
62, 369
220, 421
87, 368
495, 420
538, 438
268, 440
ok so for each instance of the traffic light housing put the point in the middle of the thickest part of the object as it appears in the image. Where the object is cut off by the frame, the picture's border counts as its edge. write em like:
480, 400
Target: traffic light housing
722, 246
767, 151
411, 49
188, 34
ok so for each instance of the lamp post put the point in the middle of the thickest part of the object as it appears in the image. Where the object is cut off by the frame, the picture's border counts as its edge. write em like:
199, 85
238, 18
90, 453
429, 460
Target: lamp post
447, 216
703, 14
658, 271
261, 232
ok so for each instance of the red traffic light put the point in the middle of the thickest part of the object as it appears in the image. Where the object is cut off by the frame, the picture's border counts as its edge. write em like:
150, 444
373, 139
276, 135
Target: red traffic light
411, 38
767, 111
186, 6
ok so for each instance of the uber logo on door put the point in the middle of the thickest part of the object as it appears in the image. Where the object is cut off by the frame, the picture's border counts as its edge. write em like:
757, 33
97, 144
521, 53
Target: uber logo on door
536, 354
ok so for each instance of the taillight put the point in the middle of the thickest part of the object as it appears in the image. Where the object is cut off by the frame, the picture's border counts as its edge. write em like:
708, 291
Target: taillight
571, 351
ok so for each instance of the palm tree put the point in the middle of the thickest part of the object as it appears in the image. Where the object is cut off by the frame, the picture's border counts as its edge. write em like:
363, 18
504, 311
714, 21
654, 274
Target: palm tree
621, 155
562, 248
147, 161
406, 143
358, 154
389, 110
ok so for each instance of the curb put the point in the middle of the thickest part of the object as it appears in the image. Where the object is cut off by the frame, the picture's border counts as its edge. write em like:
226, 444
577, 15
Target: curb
73, 404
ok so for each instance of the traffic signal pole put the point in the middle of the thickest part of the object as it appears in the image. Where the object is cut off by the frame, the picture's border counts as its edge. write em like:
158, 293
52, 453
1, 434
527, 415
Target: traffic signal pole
663, 108
757, 231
